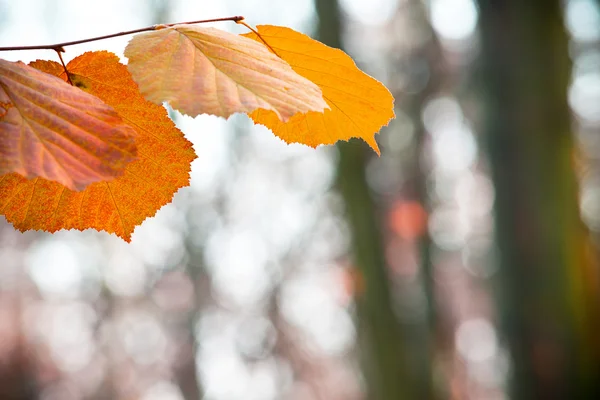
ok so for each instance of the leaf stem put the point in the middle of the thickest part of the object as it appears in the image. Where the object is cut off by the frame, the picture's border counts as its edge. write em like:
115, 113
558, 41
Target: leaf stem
59, 51
242, 22
58, 47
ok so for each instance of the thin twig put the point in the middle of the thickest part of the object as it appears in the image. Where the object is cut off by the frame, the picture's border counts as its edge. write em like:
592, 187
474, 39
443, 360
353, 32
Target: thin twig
57, 47
242, 22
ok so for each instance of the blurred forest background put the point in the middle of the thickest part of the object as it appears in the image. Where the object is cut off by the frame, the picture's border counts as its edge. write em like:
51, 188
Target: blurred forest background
461, 264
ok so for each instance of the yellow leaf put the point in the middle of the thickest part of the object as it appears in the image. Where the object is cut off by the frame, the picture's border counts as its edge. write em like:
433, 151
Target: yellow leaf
205, 70
359, 105
53, 130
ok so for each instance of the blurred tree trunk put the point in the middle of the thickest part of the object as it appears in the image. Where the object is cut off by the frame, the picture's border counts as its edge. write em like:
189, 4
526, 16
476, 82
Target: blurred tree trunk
381, 341
549, 315
435, 335
17, 379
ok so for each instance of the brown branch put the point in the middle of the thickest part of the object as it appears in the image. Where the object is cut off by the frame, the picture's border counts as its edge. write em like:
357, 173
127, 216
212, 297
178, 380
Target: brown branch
59, 46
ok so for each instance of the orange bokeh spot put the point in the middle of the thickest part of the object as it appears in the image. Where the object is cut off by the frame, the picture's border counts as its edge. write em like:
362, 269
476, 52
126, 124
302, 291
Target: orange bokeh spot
408, 219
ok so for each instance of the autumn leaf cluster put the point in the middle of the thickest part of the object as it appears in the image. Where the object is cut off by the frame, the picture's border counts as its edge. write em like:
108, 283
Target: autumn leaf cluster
89, 145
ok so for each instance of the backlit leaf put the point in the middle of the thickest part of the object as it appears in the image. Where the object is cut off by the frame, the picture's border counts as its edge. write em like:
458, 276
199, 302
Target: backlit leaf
359, 105
206, 70
53, 130
162, 167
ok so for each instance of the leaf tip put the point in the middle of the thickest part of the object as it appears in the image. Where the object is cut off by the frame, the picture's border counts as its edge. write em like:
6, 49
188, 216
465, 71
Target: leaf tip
374, 146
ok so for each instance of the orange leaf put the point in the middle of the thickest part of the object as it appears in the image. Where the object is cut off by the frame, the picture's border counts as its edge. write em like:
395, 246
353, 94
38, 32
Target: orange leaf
55, 131
117, 206
205, 70
359, 105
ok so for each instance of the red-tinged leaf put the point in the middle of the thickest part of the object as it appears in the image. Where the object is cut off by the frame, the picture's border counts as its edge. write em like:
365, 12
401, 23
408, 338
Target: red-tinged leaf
53, 130
118, 206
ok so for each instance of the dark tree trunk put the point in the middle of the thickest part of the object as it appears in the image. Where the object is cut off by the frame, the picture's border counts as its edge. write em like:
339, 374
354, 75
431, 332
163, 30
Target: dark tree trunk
548, 318
383, 351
